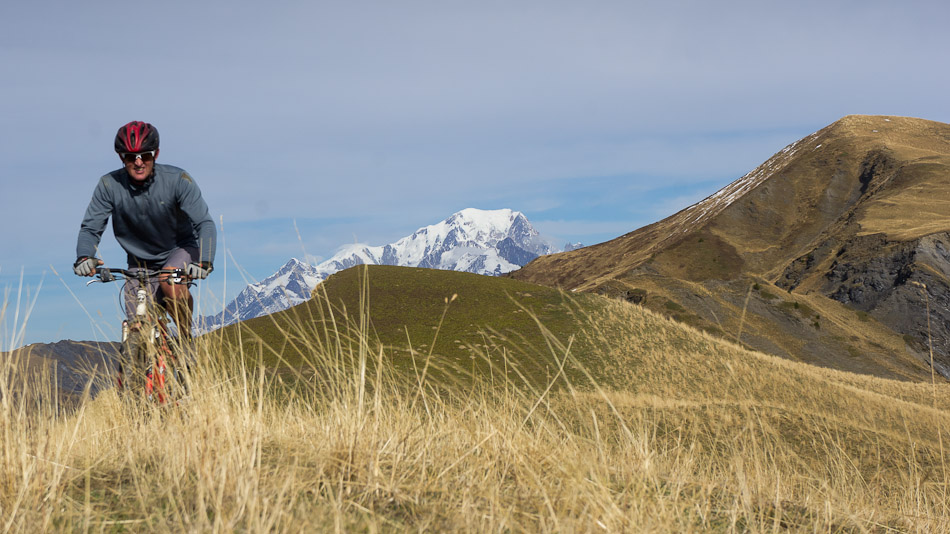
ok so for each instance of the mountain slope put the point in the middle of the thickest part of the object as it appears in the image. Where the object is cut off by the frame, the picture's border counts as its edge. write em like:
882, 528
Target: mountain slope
71, 364
490, 242
834, 230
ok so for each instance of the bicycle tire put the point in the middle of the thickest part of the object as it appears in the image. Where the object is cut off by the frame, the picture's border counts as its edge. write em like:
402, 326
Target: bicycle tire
132, 365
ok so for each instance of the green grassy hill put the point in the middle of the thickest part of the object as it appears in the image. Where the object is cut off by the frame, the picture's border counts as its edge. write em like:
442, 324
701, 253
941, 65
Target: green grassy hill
456, 321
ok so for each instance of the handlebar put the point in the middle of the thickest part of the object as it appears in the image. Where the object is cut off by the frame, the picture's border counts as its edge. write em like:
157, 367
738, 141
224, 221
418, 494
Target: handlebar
111, 274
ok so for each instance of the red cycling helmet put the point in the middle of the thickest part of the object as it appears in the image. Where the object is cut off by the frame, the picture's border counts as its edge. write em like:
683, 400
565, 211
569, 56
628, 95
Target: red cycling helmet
136, 136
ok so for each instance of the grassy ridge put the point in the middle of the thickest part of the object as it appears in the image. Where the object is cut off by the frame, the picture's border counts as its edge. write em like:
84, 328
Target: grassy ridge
690, 434
462, 324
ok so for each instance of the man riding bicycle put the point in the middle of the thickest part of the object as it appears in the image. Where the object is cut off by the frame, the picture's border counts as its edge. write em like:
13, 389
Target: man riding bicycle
158, 217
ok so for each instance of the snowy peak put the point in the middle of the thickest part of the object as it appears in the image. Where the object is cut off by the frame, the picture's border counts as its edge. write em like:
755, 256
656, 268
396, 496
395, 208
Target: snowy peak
466, 241
489, 242
293, 274
487, 227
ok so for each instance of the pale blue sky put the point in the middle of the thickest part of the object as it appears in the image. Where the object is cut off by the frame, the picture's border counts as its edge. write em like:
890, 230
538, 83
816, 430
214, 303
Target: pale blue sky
363, 121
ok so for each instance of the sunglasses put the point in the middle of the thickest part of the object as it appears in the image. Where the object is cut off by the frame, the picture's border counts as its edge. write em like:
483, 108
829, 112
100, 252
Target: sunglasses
130, 157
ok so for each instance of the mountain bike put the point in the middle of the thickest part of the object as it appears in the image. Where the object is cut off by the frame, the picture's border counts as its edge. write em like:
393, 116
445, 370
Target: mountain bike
149, 360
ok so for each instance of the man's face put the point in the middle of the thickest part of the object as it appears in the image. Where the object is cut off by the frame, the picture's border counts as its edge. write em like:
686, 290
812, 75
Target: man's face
139, 165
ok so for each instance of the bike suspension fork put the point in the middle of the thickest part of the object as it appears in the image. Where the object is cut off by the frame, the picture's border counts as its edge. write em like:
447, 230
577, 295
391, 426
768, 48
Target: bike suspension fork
125, 337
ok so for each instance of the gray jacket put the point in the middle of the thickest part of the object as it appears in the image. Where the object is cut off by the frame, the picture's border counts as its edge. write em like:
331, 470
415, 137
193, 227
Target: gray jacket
151, 220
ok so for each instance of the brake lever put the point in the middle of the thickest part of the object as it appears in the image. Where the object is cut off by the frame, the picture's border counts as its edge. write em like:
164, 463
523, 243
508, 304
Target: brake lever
105, 275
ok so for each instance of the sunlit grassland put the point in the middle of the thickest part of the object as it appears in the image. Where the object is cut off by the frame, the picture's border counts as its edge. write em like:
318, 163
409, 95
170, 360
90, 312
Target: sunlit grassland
688, 433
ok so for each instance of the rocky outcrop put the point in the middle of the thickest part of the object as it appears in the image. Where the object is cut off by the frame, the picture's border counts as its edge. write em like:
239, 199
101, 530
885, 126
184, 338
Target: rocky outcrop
903, 284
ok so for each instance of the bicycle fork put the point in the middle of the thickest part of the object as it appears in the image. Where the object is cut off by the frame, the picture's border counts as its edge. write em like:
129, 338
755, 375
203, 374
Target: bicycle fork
158, 346
123, 349
155, 375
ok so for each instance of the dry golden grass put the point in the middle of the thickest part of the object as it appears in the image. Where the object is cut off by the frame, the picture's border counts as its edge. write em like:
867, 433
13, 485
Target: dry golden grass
691, 434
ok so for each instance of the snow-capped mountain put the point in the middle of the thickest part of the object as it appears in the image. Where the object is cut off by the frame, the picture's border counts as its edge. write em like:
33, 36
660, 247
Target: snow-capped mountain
288, 287
478, 241
490, 242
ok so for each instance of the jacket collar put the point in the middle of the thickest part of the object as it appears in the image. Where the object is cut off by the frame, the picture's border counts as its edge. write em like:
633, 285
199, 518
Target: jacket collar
134, 186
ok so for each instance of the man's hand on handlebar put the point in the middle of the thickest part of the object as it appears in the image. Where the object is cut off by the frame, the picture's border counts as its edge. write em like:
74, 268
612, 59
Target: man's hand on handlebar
86, 266
197, 271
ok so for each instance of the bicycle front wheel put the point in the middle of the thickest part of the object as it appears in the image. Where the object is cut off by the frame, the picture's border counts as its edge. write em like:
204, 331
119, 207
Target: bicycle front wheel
134, 363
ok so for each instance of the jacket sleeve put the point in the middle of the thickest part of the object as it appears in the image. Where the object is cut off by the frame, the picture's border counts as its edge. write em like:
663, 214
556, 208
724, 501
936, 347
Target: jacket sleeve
191, 202
94, 221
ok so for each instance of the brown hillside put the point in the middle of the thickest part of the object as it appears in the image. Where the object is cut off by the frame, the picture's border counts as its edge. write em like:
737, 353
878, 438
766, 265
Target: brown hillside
831, 233
68, 366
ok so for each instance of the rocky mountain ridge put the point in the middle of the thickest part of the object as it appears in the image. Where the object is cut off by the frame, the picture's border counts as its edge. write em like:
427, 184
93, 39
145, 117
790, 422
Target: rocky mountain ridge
836, 247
